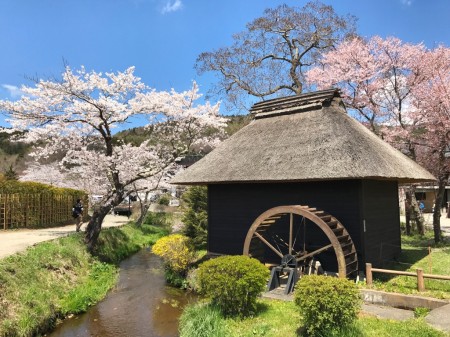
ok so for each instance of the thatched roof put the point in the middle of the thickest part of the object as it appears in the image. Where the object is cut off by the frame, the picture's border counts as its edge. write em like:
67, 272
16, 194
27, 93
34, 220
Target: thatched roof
307, 137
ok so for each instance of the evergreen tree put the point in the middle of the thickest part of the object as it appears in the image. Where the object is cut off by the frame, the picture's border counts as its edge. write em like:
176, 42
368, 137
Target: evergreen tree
195, 217
11, 174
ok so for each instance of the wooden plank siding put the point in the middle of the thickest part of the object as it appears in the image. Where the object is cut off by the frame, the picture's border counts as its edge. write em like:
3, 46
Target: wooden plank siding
234, 207
382, 241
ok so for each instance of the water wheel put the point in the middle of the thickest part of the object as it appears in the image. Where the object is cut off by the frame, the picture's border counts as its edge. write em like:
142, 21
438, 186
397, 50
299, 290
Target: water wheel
282, 231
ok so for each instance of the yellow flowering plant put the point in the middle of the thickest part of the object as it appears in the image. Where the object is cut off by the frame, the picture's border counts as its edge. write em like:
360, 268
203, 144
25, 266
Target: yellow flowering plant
176, 251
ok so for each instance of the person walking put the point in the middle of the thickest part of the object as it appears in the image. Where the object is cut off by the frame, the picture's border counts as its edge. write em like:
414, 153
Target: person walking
77, 213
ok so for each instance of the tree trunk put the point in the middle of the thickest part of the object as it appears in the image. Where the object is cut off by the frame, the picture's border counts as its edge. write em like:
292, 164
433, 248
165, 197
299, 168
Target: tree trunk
144, 210
144, 206
442, 181
415, 212
408, 211
94, 226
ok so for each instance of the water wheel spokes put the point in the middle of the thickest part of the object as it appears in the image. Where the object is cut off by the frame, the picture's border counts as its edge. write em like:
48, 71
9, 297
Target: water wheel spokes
268, 244
313, 253
339, 239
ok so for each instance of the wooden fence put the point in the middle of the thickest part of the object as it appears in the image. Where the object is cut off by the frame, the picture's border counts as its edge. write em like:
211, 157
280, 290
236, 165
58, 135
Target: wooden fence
19, 210
419, 274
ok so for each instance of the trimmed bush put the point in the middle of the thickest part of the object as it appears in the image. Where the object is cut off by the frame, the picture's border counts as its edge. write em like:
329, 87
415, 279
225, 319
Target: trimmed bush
233, 283
201, 320
326, 303
176, 251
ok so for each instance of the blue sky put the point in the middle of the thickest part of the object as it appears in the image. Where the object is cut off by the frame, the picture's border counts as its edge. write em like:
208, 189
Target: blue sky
162, 38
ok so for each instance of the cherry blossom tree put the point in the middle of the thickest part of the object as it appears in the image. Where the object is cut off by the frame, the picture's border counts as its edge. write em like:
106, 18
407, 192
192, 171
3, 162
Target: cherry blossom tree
144, 187
54, 173
50, 174
400, 91
77, 114
432, 101
375, 78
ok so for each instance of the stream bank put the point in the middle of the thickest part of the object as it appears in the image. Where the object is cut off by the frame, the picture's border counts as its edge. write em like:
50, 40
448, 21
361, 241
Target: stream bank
140, 305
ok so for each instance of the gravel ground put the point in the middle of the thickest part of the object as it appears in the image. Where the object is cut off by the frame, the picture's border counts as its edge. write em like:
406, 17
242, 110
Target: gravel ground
13, 241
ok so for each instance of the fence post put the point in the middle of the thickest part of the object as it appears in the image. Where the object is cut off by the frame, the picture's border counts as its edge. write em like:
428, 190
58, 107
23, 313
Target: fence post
369, 274
420, 280
4, 210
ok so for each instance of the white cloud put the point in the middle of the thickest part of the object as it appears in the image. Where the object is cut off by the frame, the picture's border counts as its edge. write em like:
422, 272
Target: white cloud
172, 6
407, 2
14, 91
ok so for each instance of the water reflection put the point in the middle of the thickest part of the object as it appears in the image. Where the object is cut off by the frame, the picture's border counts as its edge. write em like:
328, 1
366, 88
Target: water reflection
141, 305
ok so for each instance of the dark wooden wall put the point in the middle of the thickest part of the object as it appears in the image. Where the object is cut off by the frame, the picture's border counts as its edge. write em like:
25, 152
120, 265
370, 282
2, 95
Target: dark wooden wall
234, 207
381, 211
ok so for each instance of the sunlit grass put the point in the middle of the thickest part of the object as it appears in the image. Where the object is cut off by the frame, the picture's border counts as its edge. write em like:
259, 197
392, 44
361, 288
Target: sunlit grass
280, 318
418, 252
55, 278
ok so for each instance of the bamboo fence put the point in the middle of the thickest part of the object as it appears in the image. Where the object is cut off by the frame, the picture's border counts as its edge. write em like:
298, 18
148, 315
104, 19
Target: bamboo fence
36, 210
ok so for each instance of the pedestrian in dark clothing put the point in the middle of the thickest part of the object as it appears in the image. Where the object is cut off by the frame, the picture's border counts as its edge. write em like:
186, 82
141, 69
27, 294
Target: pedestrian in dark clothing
77, 213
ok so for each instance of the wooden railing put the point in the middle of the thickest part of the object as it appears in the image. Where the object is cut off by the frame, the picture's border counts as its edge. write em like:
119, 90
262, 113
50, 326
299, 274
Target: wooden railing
419, 274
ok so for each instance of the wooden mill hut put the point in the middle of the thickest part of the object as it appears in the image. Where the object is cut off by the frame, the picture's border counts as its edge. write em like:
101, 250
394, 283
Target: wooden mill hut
304, 179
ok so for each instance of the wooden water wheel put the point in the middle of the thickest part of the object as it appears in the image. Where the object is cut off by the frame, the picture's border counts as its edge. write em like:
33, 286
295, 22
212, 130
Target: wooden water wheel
297, 219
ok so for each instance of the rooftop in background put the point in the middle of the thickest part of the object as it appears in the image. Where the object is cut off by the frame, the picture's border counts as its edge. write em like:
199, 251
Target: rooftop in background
308, 137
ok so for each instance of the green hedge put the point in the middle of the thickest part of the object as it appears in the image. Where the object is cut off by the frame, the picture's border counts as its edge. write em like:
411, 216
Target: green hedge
14, 186
36, 205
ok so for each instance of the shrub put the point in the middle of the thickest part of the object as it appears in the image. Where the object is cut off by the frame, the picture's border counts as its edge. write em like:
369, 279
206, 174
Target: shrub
233, 283
326, 303
200, 320
159, 219
195, 218
421, 312
192, 281
164, 200
176, 251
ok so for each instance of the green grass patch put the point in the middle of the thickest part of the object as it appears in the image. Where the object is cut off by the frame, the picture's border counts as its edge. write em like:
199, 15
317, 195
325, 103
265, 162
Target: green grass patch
59, 277
117, 243
280, 318
202, 320
418, 252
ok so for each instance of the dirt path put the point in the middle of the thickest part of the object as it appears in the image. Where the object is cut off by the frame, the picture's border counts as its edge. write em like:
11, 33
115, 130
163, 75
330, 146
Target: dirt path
15, 241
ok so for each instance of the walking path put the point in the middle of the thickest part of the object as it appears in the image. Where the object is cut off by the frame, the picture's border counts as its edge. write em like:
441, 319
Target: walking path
445, 222
14, 241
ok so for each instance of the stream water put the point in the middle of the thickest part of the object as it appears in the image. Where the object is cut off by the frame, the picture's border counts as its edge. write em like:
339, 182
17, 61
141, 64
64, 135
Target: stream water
140, 305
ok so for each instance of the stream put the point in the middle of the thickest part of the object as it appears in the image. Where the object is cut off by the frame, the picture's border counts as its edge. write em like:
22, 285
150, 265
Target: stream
140, 305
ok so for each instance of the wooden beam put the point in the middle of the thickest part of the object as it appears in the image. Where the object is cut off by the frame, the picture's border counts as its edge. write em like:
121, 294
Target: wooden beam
291, 224
318, 251
268, 244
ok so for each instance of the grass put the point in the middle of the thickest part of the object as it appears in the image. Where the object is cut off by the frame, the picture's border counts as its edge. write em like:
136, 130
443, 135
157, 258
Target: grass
202, 320
416, 254
279, 318
56, 278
